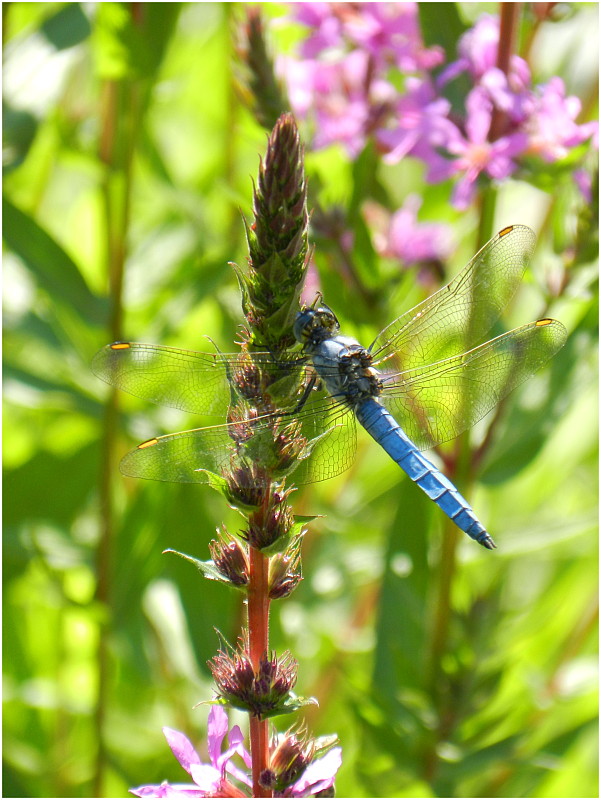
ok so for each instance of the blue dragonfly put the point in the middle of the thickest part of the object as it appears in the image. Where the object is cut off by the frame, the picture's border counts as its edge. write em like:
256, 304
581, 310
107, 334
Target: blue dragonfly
422, 381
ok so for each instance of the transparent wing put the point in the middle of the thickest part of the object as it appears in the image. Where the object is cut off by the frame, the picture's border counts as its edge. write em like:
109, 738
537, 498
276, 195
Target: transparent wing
200, 383
437, 402
460, 314
181, 457
323, 436
331, 429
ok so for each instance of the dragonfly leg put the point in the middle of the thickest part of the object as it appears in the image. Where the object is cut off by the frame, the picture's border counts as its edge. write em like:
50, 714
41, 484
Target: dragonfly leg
313, 383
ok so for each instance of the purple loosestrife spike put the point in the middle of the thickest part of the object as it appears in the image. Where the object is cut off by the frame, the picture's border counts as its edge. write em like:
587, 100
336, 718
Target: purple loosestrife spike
267, 97
277, 240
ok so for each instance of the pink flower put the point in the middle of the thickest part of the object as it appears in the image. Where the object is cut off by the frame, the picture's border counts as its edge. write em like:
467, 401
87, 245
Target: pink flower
209, 779
318, 776
552, 128
478, 50
347, 97
517, 102
342, 97
327, 27
416, 242
475, 154
390, 33
422, 127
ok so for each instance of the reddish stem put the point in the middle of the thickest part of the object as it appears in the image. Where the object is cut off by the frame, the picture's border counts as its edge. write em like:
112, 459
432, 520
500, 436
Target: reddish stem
258, 634
510, 13
258, 607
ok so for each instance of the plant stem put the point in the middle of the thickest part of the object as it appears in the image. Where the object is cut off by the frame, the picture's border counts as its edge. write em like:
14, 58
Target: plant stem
258, 635
510, 13
258, 606
259, 744
487, 202
115, 151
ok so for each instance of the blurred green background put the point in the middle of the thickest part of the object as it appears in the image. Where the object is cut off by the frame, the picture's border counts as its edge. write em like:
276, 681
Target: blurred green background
126, 142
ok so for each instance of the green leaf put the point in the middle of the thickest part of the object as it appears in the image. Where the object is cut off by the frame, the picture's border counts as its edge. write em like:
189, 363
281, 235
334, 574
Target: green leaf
208, 569
364, 175
526, 430
401, 637
18, 132
68, 27
54, 270
301, 520
290, 705
325, 743
130, 42
441, 26
282, 544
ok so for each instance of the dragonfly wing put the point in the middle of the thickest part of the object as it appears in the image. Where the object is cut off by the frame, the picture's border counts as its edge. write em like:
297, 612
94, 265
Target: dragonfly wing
460, 314
331, 433
436, 403
201, 383
181, 457
322, 436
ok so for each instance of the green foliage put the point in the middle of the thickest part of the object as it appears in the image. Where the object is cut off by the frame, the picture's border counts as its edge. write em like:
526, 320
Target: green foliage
207, 568
290, 705
468, 676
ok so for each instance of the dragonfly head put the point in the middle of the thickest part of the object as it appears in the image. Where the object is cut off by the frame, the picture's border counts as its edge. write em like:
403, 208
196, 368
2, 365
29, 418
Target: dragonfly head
315, 325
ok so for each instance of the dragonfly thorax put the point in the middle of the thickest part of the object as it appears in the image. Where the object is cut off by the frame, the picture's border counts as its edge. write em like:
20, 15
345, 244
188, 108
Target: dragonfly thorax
345, 367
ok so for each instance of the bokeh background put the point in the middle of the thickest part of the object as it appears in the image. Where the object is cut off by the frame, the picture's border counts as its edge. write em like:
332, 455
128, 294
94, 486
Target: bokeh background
130, 145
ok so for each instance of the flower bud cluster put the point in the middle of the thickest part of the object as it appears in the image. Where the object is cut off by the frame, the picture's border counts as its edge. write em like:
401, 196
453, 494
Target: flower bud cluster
265, 528
230, 558
285, 571
261, 692
291, 754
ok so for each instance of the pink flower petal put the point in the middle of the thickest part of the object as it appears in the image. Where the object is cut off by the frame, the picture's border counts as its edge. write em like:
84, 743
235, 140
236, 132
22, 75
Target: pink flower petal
463, 192
319, 775
182, 748
216, 732
479, 110
236, 738
206, 777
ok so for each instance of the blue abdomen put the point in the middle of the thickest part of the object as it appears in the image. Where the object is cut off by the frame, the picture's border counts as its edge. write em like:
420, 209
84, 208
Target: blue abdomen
380, 424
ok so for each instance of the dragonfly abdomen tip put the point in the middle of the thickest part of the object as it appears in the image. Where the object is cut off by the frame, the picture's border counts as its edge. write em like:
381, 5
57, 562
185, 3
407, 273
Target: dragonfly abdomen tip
487, 541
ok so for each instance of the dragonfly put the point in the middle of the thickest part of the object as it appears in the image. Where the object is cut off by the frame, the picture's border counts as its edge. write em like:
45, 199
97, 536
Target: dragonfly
422, 381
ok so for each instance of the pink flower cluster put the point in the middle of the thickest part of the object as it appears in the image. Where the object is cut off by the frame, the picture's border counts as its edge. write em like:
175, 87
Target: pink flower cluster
342, 86
221, 777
